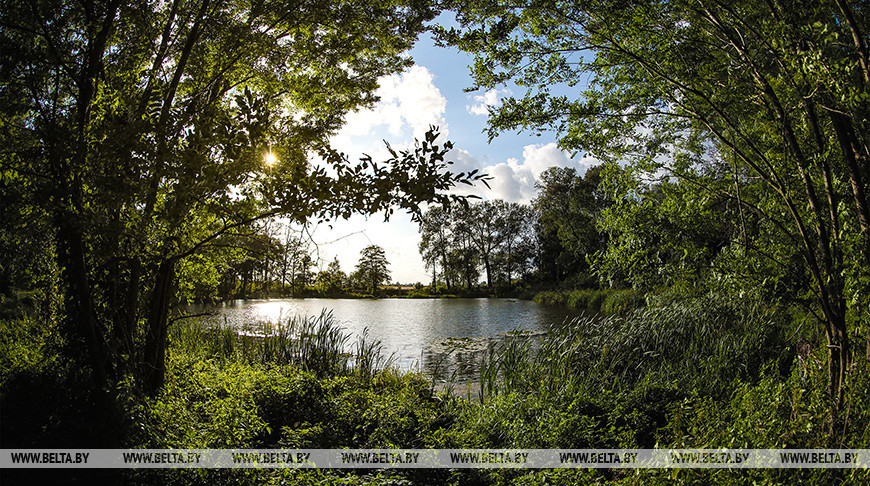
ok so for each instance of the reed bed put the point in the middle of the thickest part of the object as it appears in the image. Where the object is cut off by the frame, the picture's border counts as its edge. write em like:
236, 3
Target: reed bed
701, 344
315, 343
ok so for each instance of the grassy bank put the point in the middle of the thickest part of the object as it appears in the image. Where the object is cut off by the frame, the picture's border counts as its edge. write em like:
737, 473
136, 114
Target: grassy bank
702, 371
594, 301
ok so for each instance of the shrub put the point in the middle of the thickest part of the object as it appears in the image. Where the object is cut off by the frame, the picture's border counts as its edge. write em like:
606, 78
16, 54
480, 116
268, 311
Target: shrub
621, 302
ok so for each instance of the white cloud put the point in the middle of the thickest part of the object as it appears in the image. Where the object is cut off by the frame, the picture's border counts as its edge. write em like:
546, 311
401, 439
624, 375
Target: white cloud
511, 182
514, 180
462, 160
587, 162
538, 158
482, 103
409, 103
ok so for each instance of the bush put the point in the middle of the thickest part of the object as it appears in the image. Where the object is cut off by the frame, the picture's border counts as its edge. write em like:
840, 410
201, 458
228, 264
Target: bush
550, 297
595, 301
621, 302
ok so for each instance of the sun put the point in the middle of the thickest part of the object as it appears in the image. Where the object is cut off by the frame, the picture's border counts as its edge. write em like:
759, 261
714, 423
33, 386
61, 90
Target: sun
270, 159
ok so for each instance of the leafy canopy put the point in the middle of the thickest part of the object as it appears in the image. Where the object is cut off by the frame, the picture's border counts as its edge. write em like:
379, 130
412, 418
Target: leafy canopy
761, 104
146, 134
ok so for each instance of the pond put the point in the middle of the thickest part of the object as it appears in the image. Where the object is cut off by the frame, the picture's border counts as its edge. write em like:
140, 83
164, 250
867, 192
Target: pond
444, 338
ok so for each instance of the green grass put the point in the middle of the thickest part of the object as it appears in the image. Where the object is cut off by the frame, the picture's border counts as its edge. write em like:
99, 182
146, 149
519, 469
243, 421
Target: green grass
594, 301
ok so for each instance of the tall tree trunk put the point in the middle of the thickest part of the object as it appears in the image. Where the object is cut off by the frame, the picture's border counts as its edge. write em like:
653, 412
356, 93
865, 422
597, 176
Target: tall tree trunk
508, 262
68, 221
840, 356
158, 327
81, 310
444, 272
838, 366
856, 165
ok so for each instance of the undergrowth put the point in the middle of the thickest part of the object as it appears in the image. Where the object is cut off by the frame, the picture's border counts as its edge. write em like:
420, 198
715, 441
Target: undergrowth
702, 371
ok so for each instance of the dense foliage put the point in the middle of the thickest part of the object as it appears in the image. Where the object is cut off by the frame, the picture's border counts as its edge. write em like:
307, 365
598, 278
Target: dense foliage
373, 268
736, 135
494, 236
144, 138
705, 371
726, 234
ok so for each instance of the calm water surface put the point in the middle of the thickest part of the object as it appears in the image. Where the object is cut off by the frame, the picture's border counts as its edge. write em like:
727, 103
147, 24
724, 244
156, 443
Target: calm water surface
443, 337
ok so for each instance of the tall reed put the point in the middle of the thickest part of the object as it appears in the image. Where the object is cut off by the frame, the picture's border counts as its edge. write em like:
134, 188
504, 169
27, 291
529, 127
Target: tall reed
699, 344
317, 344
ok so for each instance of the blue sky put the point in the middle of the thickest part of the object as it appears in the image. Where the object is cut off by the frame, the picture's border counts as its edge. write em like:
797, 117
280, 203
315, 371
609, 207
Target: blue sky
432, 93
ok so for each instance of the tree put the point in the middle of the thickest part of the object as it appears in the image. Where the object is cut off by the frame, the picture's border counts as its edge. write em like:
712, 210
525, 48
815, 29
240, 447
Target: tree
483, 224
435, 242
302, 276
331, 280
142, 130
517, 220
372, 269
569, 207
774, 91
495, 234
666, 233
463, 259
